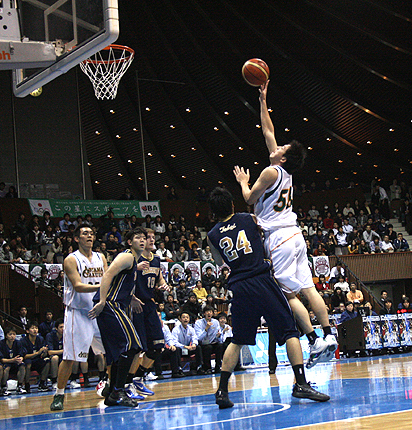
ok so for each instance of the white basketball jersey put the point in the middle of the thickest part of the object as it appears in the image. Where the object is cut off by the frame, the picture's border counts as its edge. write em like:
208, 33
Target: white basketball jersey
274, 207
91, 272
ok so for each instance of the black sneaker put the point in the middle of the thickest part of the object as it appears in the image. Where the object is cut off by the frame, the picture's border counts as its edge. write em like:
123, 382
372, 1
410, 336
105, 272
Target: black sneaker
307, 392
200, 371
120, 398
217, 370
43, 386
222, 399
159, 377
178, 374
86, 383
57, 403
27, 387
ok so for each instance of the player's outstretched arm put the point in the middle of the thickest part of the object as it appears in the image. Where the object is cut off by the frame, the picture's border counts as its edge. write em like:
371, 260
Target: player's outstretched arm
70, 269
267, 125
266, 179
122, 262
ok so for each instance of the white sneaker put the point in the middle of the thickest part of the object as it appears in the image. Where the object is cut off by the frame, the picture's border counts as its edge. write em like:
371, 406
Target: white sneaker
319, 352
330, 339
74, 385
150, 377
54, 386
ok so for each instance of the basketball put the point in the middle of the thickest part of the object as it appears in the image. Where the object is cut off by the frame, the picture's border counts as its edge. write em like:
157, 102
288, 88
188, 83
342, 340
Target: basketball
255, 72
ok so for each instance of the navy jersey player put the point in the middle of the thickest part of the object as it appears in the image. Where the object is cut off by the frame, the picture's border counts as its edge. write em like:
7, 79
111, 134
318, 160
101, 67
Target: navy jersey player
147, 322
113, 302
236, 240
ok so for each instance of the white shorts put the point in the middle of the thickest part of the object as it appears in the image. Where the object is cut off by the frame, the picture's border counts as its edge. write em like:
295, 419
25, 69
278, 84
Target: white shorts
80, 333
287, 250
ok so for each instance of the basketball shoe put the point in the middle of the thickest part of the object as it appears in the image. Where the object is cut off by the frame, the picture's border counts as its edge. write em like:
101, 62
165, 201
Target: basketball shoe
307, 392
222, 399
319, 352
57, 403
131, 391
141, 388
120, 398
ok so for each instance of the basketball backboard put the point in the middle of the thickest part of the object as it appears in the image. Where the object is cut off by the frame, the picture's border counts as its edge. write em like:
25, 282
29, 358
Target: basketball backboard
42, 39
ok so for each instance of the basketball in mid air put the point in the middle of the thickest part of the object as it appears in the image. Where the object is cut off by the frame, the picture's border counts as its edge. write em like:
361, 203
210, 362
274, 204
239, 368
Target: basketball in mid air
255, 72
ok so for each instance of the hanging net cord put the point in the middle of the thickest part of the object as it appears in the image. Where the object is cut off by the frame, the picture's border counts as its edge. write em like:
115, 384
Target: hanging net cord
105, 70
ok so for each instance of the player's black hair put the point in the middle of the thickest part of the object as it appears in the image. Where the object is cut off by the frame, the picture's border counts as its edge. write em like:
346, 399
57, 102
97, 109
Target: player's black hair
76, 232
132, 233
221, 202
295, 157
58, 322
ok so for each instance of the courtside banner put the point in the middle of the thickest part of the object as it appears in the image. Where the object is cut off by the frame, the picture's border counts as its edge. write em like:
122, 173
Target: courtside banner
96, 208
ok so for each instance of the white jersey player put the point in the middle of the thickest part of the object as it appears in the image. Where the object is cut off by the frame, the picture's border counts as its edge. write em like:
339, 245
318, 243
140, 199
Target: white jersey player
272, 195
83, 272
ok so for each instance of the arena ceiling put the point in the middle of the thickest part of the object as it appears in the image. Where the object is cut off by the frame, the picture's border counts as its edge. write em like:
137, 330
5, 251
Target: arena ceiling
340, 84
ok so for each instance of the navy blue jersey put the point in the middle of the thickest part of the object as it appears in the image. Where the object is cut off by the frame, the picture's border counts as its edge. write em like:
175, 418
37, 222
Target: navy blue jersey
53, 342
29, 348
14, 351
147, 279
122, 286
239, 242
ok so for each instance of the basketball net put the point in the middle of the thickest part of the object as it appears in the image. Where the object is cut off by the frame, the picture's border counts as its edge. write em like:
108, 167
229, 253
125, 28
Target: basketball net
105, 69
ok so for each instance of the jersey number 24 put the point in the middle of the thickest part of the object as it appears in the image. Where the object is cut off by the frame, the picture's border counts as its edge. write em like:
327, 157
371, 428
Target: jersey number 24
229, 248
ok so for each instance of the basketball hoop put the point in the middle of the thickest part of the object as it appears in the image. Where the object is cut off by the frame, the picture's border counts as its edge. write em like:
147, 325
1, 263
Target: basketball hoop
106, 68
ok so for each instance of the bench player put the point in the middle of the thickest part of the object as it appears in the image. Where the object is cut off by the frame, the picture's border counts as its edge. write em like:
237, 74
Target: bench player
147, 322
236, 240
83, 270
272, 195
113, 302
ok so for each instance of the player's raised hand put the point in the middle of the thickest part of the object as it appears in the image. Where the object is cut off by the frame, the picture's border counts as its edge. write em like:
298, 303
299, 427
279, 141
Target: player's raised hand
263, 91
241, 175
144, 265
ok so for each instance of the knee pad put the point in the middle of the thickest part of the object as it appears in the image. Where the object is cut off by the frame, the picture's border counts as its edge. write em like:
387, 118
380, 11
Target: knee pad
152, 354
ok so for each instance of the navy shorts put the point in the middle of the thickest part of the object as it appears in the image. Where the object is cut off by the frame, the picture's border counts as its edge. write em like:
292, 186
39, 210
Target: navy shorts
14, 367
257, 297
37, 364
148, 327
117, 331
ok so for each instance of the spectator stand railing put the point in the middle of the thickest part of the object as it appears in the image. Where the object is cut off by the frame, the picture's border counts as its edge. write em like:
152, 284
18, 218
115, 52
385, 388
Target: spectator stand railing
11, 321
367, 294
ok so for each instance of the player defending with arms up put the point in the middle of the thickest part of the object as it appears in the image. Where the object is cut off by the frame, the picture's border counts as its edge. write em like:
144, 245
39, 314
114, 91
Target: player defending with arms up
272, 196
236, 240
83, 273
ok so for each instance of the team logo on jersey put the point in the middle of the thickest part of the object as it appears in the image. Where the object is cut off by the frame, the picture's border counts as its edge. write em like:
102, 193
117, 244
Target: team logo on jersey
92, 272
83, 354
227, 228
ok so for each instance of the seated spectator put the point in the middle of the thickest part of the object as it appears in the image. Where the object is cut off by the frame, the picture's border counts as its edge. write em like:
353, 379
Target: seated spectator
11, 358
188, 276
369, 234
392, 234
355, 296
112, 246
384, 296
225, 333
322, 285
318, 239
313, 228
208, 279
335, 272
218, 292
3, 191
168, 244
331, 243
207, 255
172, 309
163, 253
161, 311
300, 214
181, 254
22, 316
313, 212
346, 227
387, 308
352, 220
303, 226
192, 307
186, 342
35, 354
169, 354
342, 284
341, 239
56, 252
127, 195
207, 330
400, 304
64, 223
382, 228
175, 277
21, 228
353, 247
195, 253
182, 292
328, 221
224, 276
12, 193
200, 292
400, 244
159, 227
370, 312
313, 318
376, 246
340, 309
348, 208
210, 302
364, 247
54, 342
309, 249
349, 313
406, 306
48, 324
6, 256
19, 255
362, 219
387, 245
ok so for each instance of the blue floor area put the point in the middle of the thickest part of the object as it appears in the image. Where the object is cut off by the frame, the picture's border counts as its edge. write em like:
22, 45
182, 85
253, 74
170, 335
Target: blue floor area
262, 407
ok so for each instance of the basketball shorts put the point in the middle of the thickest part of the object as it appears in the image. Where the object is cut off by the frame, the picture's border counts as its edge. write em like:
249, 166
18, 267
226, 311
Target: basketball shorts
287, 250
14, 367
148, 327
257, 297
118, 332
80, 333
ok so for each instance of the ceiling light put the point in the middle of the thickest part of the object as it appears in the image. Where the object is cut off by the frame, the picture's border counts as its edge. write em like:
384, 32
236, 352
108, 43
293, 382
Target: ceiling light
173, 156
340, 161
286, 129
270, 110
355, 173
149, 154
310, 148
328, 139
221, 155
134, 129
89, 164
130, 161
118, 136
119, 174
358, 153
396, 149
336, 179
96, 182
204, 170
256, 163
166, 186
148, 109
172, 126
193, 148
140, 179
184, 177
317, 171
305, 119
97, 132
375, 165
215, 128
188, 110
369, 142
159, 172
109, 156
219, 182
391, 129
258, 126
111, 111
240, 148
227, 113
